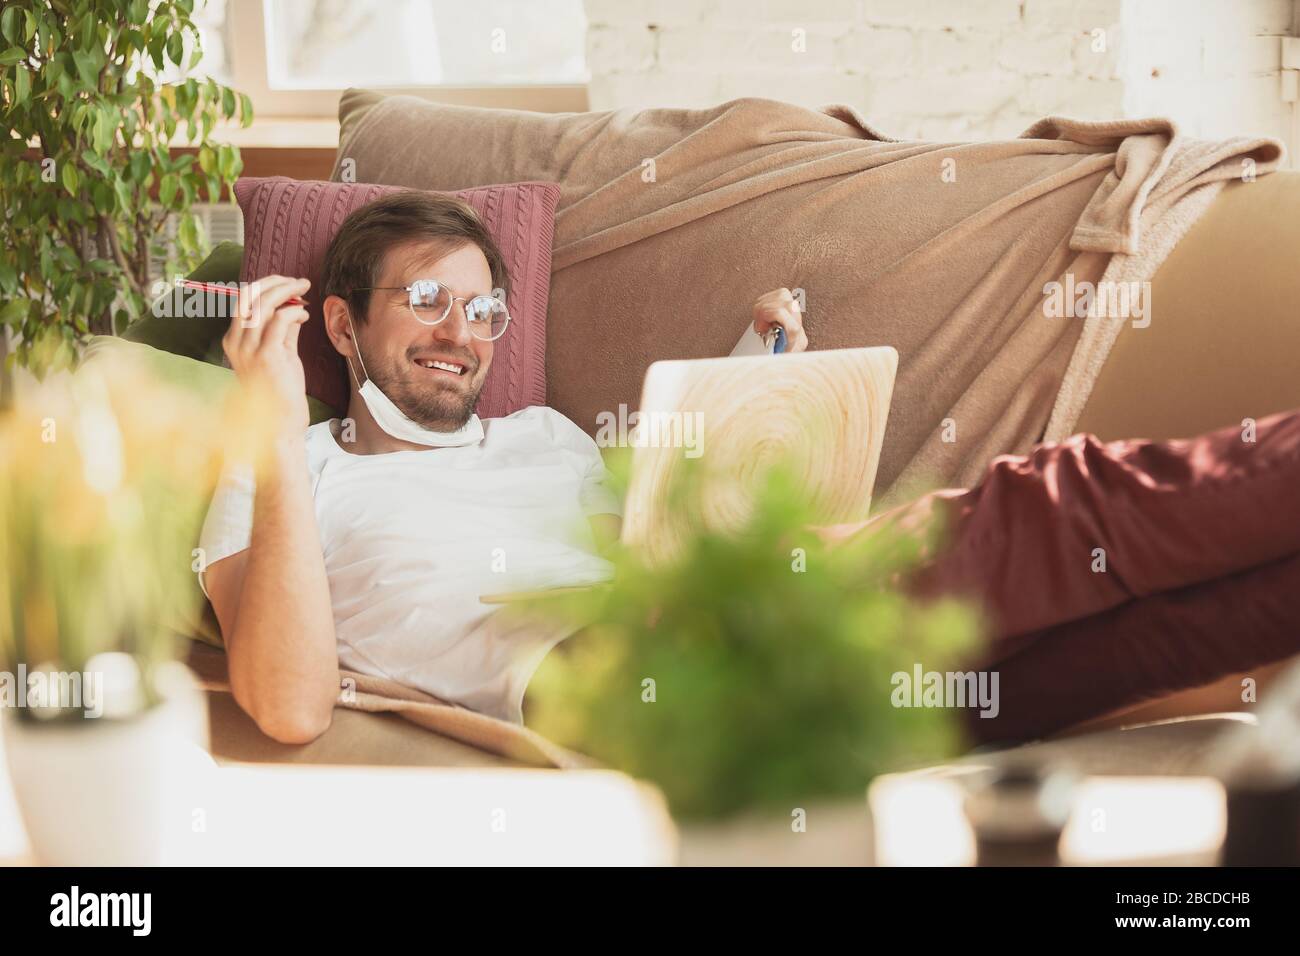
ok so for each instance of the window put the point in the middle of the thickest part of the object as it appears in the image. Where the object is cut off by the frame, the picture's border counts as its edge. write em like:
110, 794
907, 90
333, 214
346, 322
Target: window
293, 57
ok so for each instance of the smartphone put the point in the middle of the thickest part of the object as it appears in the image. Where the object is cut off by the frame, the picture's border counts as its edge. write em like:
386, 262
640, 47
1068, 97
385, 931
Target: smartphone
751, 343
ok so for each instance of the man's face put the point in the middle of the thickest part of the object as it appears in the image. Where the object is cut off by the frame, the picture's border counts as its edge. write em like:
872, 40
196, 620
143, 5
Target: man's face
399, 351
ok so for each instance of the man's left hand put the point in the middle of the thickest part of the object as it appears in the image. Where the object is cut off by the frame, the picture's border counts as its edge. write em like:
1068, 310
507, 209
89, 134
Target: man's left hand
779, 307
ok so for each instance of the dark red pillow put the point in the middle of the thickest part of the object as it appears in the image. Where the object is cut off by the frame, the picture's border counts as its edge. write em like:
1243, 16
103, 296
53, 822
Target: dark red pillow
288, 225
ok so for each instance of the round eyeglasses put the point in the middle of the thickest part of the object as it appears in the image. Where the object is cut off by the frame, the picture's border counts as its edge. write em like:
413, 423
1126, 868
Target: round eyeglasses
430, 302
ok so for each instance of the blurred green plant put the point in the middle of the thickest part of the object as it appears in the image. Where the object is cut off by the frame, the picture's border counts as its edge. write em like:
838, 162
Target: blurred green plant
771, 654
87, 176
105, 477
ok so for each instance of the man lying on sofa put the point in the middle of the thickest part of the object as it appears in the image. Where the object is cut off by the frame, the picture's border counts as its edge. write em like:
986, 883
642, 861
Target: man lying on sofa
375, 552
367, 540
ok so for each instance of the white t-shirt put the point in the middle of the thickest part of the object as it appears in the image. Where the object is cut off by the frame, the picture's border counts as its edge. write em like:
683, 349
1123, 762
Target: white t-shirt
412, 539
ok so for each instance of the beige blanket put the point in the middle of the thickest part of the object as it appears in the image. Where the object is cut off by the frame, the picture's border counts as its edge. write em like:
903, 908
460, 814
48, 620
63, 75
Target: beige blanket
671, 222
378, 695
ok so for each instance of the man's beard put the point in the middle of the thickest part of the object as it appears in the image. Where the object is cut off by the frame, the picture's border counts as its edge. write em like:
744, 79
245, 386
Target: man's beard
432, 404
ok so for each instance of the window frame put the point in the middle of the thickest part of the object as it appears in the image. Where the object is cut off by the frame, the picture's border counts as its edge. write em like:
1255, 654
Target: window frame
246, 19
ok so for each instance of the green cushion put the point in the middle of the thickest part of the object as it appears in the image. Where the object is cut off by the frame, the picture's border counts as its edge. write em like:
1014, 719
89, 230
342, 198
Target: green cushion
190, 335
200, 337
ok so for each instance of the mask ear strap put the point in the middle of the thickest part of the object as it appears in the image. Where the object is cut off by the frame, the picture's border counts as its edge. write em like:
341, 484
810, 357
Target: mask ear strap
357, 346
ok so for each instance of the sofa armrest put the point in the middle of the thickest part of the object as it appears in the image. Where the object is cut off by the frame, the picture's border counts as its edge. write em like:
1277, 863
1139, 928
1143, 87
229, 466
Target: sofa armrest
1224, 333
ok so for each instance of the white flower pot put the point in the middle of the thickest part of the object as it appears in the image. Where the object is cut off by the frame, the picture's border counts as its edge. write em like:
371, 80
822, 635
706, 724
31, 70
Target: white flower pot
106, 791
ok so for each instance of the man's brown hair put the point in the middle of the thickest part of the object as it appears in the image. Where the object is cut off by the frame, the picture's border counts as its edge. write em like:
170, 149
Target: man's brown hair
356, 253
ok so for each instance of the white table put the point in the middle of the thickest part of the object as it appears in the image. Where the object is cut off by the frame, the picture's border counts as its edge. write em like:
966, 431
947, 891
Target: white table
266, 814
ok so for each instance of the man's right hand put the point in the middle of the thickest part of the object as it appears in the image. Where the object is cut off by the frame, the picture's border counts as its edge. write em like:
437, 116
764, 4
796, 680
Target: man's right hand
262, 346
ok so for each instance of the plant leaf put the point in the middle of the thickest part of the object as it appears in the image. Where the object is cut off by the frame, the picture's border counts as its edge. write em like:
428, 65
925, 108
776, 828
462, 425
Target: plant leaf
14, 310
86, 67
68, 176
176, 48
9, 24
123, 193
167, 189
22, 85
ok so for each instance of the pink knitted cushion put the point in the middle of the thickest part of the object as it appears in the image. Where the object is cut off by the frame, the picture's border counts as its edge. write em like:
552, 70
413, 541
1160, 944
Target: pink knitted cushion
288, 225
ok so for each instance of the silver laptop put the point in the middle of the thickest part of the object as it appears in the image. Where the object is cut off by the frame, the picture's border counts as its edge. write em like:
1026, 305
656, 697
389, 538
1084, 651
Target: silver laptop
729, 419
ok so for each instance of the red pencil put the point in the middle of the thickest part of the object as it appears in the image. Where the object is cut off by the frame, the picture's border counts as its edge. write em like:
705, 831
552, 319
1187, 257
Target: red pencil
226, 290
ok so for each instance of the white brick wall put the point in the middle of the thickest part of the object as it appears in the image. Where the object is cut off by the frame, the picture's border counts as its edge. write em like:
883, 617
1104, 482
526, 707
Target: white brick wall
1212, 65
966, 69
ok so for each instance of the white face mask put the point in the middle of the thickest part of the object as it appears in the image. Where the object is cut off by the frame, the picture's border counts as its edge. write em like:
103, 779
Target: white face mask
399, 425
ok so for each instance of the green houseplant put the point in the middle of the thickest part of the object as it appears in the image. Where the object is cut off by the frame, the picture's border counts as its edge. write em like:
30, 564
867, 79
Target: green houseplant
94, 97
753, 674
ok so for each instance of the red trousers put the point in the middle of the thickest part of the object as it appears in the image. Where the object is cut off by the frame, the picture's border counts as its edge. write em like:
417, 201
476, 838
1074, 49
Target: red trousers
1121, 571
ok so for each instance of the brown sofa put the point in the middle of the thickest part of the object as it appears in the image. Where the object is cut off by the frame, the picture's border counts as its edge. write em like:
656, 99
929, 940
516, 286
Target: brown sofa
1222, 346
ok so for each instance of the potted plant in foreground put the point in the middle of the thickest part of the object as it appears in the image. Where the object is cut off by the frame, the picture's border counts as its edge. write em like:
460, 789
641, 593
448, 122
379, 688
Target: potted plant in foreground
104, 478
752, 677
